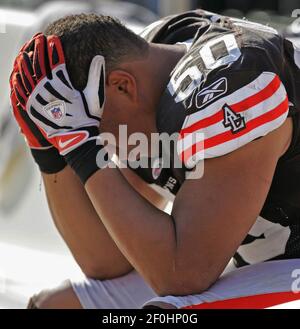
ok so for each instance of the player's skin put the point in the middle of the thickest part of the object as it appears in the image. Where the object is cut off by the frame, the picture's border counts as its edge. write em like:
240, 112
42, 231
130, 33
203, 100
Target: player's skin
80, 226
211, 216
84, 233
78, 222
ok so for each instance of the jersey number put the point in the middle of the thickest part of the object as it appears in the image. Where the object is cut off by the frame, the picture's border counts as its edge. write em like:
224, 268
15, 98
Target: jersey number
178, 86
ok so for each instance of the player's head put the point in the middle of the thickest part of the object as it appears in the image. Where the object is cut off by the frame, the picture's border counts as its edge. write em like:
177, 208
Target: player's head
87, 35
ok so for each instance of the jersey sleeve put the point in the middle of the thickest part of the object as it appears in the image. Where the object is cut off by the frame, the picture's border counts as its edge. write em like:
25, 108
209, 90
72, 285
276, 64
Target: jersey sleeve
237, 103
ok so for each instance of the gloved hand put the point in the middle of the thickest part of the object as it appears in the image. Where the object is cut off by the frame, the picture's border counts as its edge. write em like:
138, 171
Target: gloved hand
68, 118
44, 153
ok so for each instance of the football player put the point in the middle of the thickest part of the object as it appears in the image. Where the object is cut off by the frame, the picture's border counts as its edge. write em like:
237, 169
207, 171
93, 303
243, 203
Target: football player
227, 89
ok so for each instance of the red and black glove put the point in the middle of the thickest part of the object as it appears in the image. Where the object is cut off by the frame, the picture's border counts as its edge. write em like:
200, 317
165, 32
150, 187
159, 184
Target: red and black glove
44, 153
67, 118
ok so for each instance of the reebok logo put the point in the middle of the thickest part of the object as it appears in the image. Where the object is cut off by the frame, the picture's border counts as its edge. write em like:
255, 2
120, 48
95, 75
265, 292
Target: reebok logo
210, 93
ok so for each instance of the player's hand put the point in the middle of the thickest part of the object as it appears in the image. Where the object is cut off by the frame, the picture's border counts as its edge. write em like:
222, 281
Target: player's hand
67, 117
44, 153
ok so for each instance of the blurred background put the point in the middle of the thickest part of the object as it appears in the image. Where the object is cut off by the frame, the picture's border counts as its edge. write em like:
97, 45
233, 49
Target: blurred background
32, 254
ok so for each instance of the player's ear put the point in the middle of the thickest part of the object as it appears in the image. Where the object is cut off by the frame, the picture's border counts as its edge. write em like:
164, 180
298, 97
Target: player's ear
122, 83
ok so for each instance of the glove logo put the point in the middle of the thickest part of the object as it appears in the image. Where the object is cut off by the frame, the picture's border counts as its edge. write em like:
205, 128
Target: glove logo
55, 110
69, 141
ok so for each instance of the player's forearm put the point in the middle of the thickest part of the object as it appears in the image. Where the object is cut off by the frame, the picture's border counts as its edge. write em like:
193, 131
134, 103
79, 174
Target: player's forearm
156, 199
81, 228
143, 233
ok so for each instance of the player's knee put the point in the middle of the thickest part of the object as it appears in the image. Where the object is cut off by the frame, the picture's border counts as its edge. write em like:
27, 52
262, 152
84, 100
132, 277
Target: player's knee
92, 271
62, 297
97, 271
43, 300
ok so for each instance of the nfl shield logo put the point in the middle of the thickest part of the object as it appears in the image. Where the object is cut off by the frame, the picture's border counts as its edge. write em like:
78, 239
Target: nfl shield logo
56, 113
55, 110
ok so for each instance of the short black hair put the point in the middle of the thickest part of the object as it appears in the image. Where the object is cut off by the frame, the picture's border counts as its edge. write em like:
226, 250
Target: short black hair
84, 36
